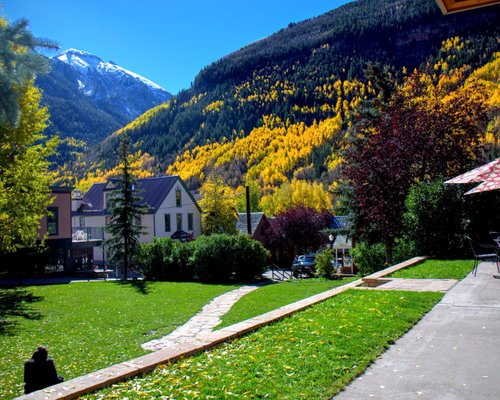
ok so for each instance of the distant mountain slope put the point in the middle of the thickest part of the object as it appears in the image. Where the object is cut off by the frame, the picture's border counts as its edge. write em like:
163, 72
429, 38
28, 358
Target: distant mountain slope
305, 74
89, 98
393, 32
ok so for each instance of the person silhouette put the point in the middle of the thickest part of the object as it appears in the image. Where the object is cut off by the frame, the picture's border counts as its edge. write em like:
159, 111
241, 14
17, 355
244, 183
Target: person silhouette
40, 371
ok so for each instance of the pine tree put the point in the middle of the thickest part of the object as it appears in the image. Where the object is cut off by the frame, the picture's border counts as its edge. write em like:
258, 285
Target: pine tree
19, 64
125, 223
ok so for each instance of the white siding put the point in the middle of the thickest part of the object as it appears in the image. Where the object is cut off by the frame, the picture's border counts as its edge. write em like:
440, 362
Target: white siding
154, 224
169, 207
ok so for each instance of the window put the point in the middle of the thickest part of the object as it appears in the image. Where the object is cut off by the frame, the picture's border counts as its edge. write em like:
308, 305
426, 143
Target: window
52, 221
178, 198
109, 200
168, 227
179, 222
190, 222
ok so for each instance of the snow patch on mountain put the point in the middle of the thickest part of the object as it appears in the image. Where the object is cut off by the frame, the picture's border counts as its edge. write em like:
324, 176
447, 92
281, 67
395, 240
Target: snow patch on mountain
87, 63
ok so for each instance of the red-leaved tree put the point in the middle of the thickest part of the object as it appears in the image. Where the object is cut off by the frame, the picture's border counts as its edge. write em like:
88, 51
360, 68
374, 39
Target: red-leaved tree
298, 230
419, 134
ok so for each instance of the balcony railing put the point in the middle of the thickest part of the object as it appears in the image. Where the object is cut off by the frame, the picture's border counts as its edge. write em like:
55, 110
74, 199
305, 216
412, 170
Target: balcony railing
87, 234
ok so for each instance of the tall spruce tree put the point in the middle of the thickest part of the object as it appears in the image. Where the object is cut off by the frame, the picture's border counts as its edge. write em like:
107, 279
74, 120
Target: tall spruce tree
125, 222
19, 63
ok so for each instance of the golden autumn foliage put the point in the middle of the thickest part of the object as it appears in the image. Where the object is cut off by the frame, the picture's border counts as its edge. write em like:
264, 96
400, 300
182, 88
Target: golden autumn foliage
144, 118
297, 193
140, 166
303, 142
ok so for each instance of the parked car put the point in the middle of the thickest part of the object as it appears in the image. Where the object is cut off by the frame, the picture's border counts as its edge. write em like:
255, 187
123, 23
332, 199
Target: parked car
304, 265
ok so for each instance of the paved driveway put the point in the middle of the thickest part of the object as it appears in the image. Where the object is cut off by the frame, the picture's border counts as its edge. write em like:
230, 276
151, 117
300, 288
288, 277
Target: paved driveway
452, 353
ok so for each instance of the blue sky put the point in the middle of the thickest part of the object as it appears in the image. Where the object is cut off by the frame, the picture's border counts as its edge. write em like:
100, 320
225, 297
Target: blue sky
166, 41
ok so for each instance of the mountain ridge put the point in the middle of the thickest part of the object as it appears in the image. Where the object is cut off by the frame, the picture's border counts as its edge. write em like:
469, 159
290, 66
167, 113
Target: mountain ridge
89, 98
278, 82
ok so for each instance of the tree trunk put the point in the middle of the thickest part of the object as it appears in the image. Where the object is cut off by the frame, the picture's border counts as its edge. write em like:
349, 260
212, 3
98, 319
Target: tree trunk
125, 259
389, 248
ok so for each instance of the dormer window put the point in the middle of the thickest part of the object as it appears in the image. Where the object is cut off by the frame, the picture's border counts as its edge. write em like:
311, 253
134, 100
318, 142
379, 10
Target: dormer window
109, 200
178, 197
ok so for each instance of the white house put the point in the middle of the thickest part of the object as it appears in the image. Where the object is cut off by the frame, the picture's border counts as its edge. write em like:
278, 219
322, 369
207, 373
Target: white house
172, 211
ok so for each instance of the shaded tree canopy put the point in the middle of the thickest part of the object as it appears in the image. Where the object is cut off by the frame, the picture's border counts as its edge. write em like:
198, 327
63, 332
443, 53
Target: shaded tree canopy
422, 132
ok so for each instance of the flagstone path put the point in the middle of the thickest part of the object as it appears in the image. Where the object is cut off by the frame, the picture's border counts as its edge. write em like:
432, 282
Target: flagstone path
203, 323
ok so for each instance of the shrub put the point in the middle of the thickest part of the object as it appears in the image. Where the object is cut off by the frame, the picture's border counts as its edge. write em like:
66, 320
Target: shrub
250, 258
182, 256
435, 219
368, 258
216, 258
222, 257
324, 263
165, 259
404, 249
212, 258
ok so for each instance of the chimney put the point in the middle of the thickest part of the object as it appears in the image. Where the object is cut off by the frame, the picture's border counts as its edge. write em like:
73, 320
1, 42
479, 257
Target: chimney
77, 200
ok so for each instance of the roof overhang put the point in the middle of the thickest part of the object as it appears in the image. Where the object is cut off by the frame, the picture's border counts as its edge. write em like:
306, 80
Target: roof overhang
453, 6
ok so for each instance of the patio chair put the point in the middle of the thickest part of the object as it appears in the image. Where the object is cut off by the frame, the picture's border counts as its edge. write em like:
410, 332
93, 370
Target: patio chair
479, 257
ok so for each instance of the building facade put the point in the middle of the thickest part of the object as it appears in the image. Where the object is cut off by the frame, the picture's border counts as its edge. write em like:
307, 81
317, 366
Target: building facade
172, 211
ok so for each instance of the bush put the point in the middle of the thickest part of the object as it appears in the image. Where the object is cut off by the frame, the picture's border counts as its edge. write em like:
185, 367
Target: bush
182, 256
212, 258
250, 258
324, 263
165, 259
404, 249
216, 258
435, 219
368, 258
221, 257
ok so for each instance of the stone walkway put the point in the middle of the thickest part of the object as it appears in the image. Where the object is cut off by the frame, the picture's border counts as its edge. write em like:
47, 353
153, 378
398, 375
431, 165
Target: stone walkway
417, 285
203, 323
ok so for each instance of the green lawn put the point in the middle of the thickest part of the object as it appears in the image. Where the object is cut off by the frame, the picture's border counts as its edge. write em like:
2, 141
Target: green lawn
310, 355
90, 325
436, 269
270, 297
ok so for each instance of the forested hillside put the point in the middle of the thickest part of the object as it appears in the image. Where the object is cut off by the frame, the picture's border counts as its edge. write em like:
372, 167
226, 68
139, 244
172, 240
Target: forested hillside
279, 109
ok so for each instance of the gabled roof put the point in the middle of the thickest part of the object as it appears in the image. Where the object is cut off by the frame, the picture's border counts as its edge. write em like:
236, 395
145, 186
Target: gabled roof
152, 190
255, 218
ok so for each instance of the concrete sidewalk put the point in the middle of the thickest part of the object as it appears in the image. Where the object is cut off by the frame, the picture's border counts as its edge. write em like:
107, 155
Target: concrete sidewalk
452, 353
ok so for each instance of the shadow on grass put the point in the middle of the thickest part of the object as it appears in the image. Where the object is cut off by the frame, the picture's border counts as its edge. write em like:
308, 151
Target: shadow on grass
15, 302
140, 286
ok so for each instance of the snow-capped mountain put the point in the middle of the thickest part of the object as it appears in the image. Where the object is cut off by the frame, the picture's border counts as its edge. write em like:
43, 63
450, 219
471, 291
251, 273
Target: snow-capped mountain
89, 98
90, 65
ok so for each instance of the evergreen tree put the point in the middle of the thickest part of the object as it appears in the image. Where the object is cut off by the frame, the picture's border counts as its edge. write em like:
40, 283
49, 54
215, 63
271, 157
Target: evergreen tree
125, 223
19, 63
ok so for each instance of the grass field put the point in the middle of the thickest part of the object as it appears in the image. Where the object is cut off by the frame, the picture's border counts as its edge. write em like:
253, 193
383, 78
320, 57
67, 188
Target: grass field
436, 269
310, 355
90, 325
270, 297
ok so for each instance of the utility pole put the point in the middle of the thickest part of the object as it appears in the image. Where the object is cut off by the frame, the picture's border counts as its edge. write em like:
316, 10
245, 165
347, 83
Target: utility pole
249, 221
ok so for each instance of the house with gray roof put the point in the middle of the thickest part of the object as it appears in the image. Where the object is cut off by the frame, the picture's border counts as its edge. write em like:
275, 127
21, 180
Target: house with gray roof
172, 211
258, 222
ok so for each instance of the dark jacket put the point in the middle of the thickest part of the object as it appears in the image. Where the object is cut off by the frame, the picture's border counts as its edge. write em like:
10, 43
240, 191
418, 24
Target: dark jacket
40, 374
